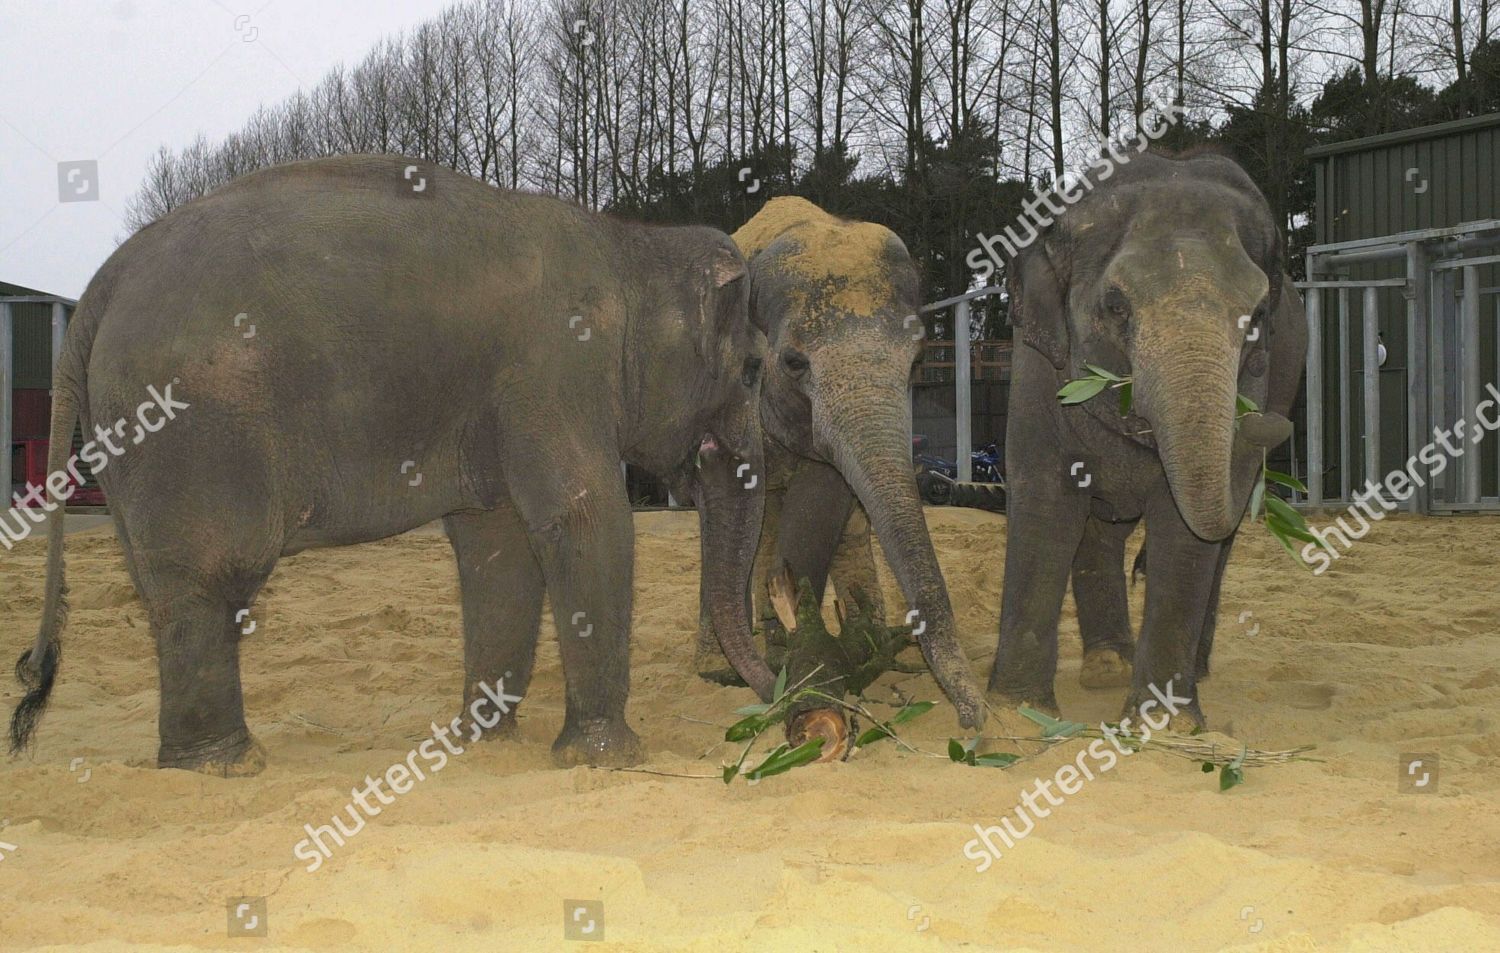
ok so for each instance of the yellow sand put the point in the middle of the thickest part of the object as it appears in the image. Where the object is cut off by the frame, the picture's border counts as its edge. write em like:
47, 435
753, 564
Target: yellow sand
847, 256
357, 651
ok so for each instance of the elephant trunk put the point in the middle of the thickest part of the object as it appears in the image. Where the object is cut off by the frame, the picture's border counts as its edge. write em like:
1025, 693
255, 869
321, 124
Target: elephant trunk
867, 431
1189, 398
731, 500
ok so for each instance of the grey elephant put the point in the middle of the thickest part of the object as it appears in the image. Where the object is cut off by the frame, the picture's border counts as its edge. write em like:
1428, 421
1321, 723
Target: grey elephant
1099, 582
1171, 273
360, 345
839, 301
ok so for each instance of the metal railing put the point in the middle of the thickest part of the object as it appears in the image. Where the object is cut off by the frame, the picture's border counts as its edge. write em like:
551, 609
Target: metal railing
1443, 356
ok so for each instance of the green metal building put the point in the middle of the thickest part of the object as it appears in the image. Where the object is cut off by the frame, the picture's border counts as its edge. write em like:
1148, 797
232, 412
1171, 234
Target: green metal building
1405, 267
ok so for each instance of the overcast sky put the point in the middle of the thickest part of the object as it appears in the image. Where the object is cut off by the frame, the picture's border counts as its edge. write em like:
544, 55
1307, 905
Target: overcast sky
113, 80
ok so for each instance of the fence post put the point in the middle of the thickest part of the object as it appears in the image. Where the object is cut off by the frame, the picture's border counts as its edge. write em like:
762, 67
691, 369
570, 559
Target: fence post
1418, 300
1314, 306
1372, 385
1346, 425
1468, 324
964, 393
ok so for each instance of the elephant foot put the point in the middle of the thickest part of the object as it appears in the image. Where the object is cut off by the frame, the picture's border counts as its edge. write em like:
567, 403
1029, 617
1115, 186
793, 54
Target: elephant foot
1105, 668
237, 756
1000, 700
1183, 716
504, 729
1019, 733
599, 742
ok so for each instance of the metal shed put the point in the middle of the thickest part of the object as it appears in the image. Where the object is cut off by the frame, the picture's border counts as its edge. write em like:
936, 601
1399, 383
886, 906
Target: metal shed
1407, 230
31, 333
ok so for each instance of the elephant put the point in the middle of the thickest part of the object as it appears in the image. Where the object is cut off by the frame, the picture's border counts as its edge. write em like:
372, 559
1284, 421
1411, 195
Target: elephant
839, 300
1170, 272
1098, 579
360, 345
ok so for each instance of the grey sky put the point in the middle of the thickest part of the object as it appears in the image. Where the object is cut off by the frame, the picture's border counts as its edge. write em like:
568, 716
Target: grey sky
112, 81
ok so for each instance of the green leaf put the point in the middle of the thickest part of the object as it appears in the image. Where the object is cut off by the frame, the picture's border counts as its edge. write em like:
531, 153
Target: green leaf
872, 735
1052, 727
1076, 392
752, 710
1282, 528
780, 686
1286, 480
998, 759
1244, 405
1278, 507
956, 750
1098, 371
729, 772
785, 759
1127, 391
1229, 776
1208, 767
747, 728
1286, 545
915, 709
1257, 499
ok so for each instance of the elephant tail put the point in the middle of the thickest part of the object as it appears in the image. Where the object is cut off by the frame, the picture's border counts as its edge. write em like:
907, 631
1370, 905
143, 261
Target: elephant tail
37, 667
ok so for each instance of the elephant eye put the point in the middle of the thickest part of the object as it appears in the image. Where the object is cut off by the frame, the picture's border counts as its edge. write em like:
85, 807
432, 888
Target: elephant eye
751, 371
795, 361
1116, 303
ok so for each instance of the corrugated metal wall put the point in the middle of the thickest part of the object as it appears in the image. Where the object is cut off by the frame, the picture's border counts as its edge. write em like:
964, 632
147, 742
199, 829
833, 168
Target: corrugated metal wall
1434, 177
1426, 178
32, 332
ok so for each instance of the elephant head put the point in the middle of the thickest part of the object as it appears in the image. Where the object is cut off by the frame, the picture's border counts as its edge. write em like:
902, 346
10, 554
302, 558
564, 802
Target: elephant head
839, 301
1168, 275
694, 377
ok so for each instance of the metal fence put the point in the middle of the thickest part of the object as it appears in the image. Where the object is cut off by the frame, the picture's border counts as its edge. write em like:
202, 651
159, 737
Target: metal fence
1446, 346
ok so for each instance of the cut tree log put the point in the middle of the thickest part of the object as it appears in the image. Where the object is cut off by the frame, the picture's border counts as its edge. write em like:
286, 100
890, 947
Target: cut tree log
835, 666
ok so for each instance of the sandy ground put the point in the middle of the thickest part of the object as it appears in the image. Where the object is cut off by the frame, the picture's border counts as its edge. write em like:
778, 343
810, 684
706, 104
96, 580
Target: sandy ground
357, 652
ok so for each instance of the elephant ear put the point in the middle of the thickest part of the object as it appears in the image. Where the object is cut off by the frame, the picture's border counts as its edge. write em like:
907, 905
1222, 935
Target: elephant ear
721, 302
1036, 281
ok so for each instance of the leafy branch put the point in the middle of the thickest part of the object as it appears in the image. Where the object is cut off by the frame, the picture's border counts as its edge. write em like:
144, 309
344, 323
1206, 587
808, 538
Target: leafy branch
1283, 522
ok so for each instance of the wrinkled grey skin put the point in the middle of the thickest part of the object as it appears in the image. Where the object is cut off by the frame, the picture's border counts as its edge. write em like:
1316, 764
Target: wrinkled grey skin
837, 420
1147, 275
510, 349
1099, 583
813, 523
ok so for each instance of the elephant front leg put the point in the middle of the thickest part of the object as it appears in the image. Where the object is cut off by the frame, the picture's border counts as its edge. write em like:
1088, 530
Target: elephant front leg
1180, 571
580, 528
1103, 604
1045, 525
502, 588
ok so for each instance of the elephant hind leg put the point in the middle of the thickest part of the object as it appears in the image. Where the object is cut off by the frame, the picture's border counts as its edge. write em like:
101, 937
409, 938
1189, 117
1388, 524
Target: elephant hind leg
1103, 604
502, 588
198, 625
